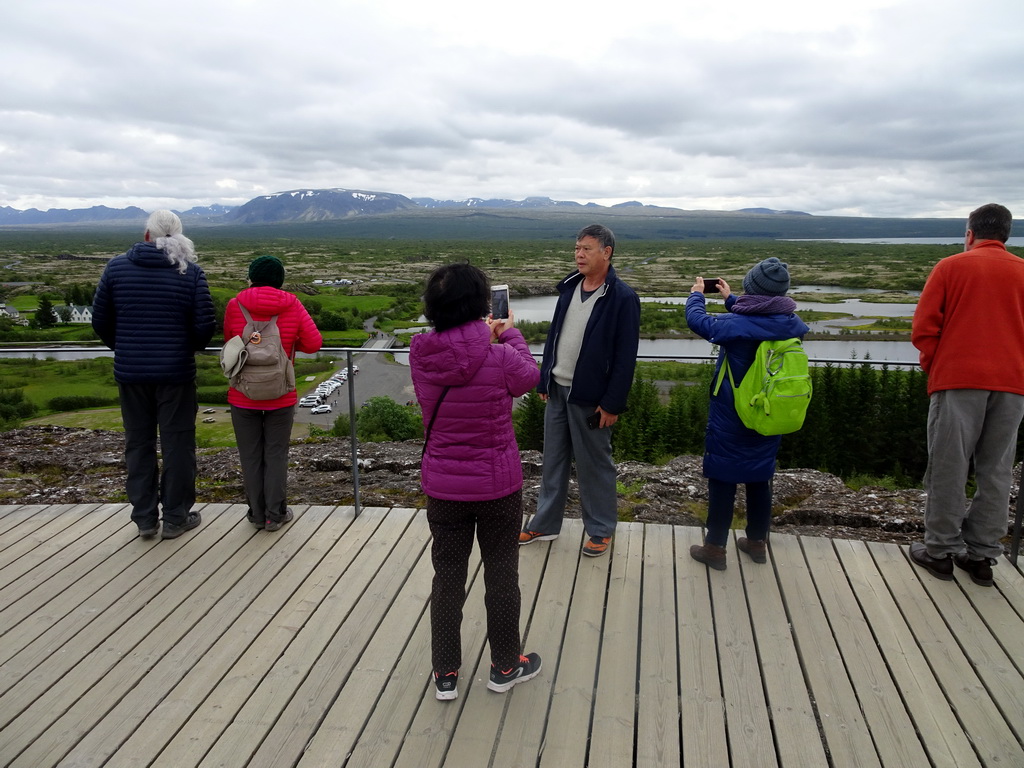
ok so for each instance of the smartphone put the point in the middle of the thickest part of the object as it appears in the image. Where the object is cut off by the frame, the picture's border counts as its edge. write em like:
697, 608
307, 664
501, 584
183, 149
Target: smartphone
499, 302
594, 420
710, 285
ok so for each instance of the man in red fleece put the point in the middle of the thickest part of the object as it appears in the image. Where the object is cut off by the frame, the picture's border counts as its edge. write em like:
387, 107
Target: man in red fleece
969, 328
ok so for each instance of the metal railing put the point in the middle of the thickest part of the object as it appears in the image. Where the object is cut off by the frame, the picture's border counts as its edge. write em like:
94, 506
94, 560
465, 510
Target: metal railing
351, 351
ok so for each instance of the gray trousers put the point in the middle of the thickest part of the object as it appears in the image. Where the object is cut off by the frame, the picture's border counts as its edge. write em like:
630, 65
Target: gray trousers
965, 424
171, 408
567, 437
263, 438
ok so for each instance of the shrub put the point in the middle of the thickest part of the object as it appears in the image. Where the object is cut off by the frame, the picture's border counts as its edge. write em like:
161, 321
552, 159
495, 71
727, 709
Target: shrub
77, 402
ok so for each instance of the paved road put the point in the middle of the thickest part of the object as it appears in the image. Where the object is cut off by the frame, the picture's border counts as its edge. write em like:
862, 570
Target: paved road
378, 376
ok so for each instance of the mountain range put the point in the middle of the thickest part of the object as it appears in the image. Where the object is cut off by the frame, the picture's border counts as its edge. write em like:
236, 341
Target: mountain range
353, 213
306, 205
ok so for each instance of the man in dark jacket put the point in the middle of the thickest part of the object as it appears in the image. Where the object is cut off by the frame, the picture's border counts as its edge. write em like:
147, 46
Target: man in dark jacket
153, 308
585, 377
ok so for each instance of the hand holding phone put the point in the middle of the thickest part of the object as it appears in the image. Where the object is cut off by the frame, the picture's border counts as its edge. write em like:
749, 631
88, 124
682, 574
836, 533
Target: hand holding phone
594, 420
499, 302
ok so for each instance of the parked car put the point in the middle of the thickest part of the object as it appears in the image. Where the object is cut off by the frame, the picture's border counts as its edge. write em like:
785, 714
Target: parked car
308, 402
321, 409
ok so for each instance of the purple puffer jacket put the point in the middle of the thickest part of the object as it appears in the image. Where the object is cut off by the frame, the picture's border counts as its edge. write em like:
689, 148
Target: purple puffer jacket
472, 453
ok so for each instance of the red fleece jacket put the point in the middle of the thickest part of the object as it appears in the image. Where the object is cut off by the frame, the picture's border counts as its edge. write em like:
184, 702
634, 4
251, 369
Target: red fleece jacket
969, 323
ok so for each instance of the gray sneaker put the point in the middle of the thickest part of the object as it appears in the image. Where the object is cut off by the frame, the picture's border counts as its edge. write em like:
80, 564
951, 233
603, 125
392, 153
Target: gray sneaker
172, 531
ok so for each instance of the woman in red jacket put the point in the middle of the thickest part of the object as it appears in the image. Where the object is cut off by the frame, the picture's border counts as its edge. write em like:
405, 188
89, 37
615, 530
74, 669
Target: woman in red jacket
263, 428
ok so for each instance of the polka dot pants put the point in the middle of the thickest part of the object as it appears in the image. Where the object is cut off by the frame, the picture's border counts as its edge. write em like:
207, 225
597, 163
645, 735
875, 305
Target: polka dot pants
496, 524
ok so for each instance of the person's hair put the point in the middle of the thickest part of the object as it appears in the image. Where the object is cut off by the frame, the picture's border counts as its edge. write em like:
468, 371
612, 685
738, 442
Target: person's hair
456, 294
991, 222
165, 231
601, 233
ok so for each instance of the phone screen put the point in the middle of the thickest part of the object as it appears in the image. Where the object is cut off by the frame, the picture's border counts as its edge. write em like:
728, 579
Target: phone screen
499, 301
710, 285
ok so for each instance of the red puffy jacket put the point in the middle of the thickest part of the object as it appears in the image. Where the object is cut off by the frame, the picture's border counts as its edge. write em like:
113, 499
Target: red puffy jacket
298, 333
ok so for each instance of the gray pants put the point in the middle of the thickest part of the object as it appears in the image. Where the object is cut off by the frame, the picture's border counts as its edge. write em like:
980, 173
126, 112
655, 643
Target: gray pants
263, 438
965, 424
567, 437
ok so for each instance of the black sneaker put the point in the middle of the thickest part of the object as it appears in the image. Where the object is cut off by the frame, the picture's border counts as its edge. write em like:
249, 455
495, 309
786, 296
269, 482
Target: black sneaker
939, 567
980, 570
447, 686
527, 669
148, 530
172, 531
275, 525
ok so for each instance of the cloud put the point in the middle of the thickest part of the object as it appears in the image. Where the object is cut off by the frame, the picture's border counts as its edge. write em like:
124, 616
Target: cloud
875, 107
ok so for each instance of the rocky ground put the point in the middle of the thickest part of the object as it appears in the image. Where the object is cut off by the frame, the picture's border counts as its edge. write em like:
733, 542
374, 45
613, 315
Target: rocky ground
59, 465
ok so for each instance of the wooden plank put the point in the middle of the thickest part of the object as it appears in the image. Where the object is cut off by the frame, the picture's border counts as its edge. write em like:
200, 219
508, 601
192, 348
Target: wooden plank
297, 722
480, 721
91, 540
1002, 621
22, 519
572, 696
845, 730
200, 659
289, 644
431, 731
614, 724
161, 659
658, 716
118, 651
705, 742
90, 621
1002, 679
934, 721
526, 726
892, 729
53, 527
982, 721
96, 583
746, 708
797, 736
371, 733
1010, 584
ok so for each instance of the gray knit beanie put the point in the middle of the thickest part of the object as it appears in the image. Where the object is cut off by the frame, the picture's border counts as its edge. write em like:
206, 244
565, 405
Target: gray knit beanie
769, 278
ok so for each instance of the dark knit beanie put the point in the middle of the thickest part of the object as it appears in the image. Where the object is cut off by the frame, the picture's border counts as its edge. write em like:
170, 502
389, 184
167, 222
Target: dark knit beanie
769, 278
267, 270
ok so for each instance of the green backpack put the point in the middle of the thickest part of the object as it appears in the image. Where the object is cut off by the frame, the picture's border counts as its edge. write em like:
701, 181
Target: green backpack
773, 396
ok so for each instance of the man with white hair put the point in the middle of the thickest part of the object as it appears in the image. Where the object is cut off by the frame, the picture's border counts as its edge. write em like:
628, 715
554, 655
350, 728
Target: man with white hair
153, 308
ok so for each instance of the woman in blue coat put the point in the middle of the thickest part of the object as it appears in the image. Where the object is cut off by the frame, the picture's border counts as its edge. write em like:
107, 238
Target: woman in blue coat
734, 454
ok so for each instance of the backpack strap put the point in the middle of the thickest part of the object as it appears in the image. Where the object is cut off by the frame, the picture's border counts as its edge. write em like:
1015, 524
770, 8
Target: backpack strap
265, 323
723, 369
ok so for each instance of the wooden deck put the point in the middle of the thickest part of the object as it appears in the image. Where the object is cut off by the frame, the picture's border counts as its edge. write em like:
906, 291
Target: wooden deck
310, 647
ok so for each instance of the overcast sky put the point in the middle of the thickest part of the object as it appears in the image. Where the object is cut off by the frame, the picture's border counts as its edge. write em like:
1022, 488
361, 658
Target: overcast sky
864, 107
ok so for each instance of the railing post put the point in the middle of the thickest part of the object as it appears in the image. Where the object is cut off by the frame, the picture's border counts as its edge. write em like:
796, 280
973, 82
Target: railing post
352, 428
1015, 539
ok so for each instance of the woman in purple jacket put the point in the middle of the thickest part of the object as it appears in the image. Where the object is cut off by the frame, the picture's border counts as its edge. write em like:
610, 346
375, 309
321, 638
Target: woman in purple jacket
466, 372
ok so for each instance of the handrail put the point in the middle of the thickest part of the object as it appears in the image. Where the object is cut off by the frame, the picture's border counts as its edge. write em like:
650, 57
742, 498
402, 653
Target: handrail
1015, 539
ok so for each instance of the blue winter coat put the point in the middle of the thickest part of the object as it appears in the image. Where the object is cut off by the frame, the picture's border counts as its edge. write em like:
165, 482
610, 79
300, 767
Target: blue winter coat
733, 453
604, 369
153, 317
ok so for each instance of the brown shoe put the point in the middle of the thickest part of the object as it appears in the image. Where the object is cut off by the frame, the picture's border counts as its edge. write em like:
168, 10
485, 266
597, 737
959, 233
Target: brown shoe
710, 555
758, 550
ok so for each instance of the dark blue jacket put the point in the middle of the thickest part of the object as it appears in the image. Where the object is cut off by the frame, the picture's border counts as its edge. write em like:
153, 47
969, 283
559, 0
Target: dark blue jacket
604, 369
154, 318
733, 453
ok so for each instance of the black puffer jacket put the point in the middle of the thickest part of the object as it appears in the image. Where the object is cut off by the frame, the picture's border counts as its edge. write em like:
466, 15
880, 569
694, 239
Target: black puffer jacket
154, 318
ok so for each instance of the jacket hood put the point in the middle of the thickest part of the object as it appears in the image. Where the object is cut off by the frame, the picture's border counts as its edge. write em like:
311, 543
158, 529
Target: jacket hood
149, 256
452, 357
265, 300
